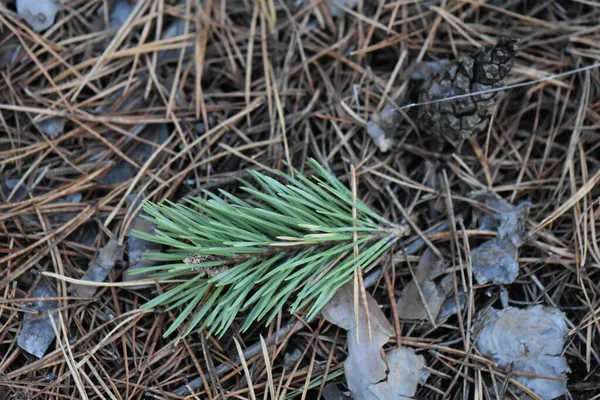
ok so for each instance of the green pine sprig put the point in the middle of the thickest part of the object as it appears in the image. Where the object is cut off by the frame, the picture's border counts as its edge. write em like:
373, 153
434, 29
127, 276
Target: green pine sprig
291, 240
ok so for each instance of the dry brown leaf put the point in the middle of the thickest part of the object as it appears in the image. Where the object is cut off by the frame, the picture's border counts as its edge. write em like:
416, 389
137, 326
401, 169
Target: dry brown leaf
99, 268
136, 246
370, 373
509, 220
53, 126
531, 340
37, 332
495, 261
422, 298
405, 372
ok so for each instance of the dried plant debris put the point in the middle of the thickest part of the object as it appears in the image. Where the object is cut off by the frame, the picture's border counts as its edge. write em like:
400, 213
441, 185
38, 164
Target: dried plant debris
459, 119
511, 224
99, 268
39, 14
12, 189
291, 358
450, 308
333, 392
37, 332
140, 152
119, 101
382, 126
73, 198
427, 70
509, 220
423, 298
53, 126
333, 6
406, 371
532, 341
495, 261
136, 246
176, 29
336, 10
120, 172
10, 48
120, 12
369, 374
269, 72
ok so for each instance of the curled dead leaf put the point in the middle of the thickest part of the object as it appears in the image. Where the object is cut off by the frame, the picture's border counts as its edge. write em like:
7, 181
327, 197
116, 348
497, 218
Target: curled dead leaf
371, 373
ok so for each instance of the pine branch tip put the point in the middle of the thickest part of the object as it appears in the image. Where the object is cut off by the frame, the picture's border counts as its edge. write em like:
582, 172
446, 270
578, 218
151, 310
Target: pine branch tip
284, 241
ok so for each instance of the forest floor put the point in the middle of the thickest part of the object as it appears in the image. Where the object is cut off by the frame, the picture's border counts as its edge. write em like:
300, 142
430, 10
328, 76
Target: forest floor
121, 101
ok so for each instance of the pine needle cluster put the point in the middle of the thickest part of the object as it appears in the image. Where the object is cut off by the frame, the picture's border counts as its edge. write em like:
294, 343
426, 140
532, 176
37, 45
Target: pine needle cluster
289, 240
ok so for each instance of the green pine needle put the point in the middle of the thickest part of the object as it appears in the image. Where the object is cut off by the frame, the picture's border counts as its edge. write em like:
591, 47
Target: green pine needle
290, 241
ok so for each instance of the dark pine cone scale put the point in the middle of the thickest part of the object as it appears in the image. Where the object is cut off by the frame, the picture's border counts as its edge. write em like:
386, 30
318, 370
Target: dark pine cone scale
459, 119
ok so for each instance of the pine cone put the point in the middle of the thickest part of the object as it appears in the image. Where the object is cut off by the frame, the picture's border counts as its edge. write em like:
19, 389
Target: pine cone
460, 119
